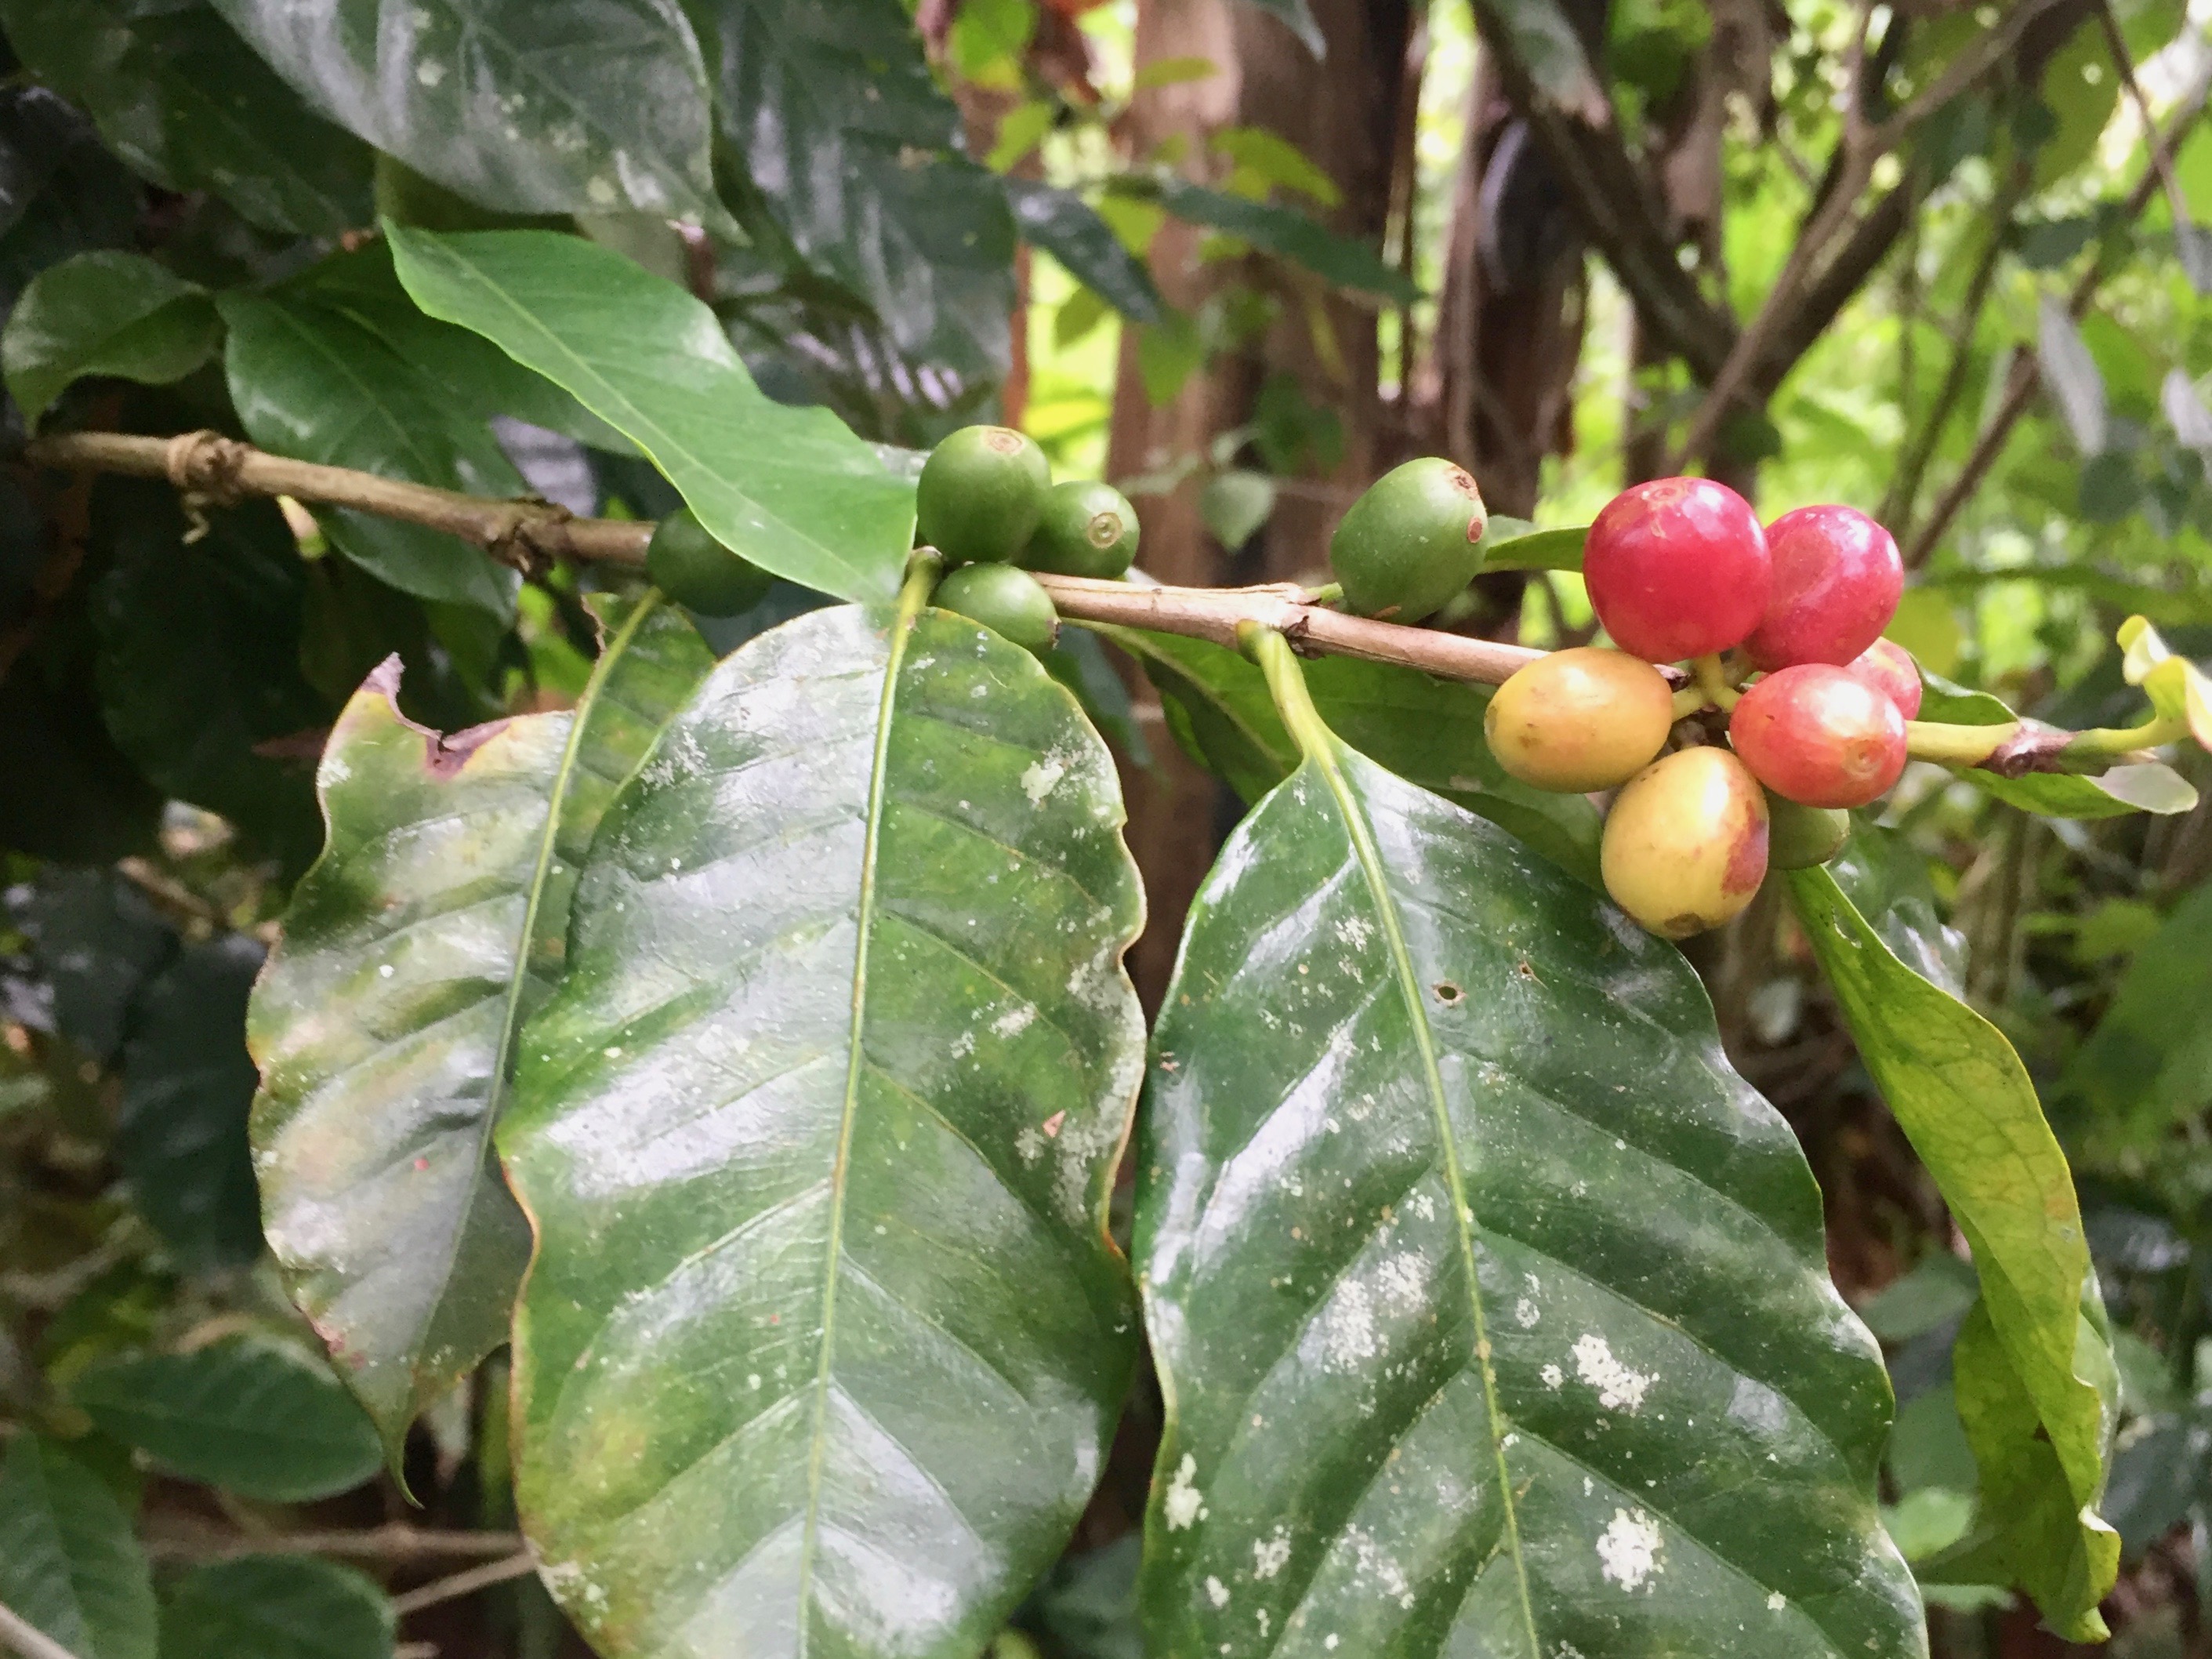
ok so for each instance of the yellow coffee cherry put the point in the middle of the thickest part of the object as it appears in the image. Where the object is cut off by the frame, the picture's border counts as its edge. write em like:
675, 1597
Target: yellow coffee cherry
1685, 846
1580, 719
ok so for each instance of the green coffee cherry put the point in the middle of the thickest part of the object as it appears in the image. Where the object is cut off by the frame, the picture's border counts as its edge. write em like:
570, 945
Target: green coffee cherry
982, 495
1411, 542
687, 564
1798, 837
1089, 529
1011, 602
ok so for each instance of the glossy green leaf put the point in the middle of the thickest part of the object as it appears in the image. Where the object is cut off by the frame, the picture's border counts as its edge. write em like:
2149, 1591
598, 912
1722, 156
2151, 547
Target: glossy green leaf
2141, 786
831, 109
198, 666
1428, 730
96, 940
1286, 232
521, 106
184, 101
793, 490
69, 1562
1887, 881
187, 1082
1489, 1304
1068, 228
276, 1607
311, 382
254, 1417
824, 1338
2145, 1068
103, 313
384, 1025
1511, 544
1965, 1101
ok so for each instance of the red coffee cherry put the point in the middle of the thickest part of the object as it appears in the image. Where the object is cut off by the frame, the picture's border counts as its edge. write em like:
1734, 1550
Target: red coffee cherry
1677, 567
1836, 576
1820, 736
1889, 667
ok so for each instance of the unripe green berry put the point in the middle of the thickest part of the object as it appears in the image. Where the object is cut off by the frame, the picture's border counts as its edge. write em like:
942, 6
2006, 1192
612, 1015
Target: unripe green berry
1411, 542
1089, 529
1011, 602
980, 495
687, 564
1798, 837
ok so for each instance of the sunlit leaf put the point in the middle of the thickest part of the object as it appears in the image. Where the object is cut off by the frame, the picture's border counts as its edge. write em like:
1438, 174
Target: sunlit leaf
1965, 1102
1489, 1304
793, 490
825, 1337
385, 1024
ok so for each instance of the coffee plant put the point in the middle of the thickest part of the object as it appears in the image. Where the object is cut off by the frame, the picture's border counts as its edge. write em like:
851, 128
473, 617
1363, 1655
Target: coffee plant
565, 968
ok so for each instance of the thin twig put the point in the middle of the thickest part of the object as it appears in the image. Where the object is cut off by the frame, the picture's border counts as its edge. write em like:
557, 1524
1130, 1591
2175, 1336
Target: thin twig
2021, 385
520, 1565
1862, 147
394, 1544
2118, 43
19, 1634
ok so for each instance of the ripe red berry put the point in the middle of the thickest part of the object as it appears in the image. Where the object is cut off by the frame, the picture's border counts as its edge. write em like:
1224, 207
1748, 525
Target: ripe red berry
1677, 567
1820, 736
1889, 667
1836, 576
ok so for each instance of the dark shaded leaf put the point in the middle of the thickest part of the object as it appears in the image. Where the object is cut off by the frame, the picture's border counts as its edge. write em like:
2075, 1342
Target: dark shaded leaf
276, 1607
1285, 231
187, 1082
198, 666
96, 942
448, 870
68, 1560
831, 110
1965, 1101
827, 1109
1466, 1255
2146, 1068
1068, 228
104, 313
66, 791
311, 383
251, 1416
1079, 662
1887, 883
793, 490
521, 106
183, 100
60, 192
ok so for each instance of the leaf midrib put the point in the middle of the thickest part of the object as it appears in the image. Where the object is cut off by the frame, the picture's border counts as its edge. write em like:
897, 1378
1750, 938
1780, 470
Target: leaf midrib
1324, 757
901, 632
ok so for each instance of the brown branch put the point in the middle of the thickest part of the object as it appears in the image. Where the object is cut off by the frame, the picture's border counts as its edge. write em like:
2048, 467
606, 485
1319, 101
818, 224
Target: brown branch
209, 467
1759, 357
395, 1544
2020, 383
520, 1565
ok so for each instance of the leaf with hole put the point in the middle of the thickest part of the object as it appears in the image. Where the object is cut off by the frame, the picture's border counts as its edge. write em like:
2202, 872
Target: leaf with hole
254, 1417
1475, 1218
825, 1338
793, 490
186, 103
1965, 1101
104, 313
435, 919
520, 106
69, 1562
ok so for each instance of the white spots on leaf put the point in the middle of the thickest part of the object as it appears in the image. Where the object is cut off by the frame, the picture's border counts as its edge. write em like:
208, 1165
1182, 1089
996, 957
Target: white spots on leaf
1029, 1146
1216, 1591
1348, 1338
1329, 1641
1270, 1555
1184, 1504
1526, 1313
1424, 1206
429, 72
1554, 1378
385, 972
1401, 1279
1355, 932
1618, 1388
1628, 1552
1776, 1601
1042, 776
1014, 1021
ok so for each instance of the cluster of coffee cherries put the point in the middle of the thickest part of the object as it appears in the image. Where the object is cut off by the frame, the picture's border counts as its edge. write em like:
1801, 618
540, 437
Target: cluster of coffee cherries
986, 501
1681, 570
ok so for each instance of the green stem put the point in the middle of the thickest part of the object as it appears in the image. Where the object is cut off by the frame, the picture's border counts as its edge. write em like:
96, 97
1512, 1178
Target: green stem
1956, 745
1711, 679
925, 568
2108, 740
1286, 684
